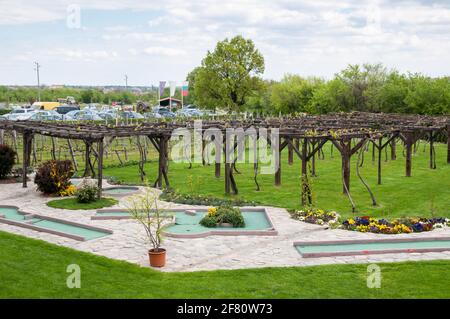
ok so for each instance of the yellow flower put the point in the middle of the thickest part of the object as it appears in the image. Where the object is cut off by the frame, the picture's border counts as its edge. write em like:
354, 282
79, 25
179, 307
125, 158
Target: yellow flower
212, 211
351, 221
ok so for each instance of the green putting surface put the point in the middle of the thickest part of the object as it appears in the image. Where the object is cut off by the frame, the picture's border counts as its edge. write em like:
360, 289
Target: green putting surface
11, 213
118, 213
333, 248
14, 215
187, 224
88, 234
120, 190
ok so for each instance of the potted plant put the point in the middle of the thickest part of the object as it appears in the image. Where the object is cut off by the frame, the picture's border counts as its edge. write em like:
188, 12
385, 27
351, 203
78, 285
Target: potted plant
145, 209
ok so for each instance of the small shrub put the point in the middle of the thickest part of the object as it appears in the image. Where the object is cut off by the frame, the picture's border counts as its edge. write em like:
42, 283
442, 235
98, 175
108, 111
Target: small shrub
53, 177
7, 160
208, 221
170, 195
69, 191
223, 214
87, 193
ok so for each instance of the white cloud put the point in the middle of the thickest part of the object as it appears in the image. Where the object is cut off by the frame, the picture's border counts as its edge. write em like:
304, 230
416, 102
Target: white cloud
163, 51
84, 55
305, 36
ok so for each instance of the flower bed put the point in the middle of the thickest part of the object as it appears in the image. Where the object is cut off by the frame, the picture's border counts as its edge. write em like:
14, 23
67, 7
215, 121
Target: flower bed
315, 216
402, 225
194, 199
222, 215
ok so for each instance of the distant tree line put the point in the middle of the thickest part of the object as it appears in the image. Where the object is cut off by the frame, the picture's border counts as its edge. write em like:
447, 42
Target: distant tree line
230, 78
91, 95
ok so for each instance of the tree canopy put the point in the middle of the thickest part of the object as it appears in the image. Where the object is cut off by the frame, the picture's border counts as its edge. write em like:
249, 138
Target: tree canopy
229, 75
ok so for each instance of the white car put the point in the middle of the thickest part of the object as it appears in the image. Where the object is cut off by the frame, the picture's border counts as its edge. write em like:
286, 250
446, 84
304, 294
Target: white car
19, 114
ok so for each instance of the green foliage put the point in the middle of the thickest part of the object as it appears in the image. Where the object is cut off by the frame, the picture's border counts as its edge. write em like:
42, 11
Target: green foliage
229, 75
7, 160
332, 96
208, 221
223, 214
53, 177
293, 94
195, 199
29, 95
73, 204
43, 276
86, 193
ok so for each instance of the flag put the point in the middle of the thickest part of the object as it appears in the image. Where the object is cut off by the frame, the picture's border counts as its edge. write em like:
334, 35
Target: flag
173, 87
162, 85
185, 88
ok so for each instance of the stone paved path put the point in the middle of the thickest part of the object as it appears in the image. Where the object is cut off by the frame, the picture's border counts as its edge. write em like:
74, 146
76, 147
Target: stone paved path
214, 252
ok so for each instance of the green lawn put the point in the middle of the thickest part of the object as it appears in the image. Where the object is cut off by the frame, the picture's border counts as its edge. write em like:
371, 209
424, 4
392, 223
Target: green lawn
72, 203
36, 269
426, 193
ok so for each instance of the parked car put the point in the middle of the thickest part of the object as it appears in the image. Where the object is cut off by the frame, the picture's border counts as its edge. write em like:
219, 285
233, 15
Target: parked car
45, 116
132, 115
86, 115
107, 115
164, 112
19, 114
152, 115
64, 109
189, 112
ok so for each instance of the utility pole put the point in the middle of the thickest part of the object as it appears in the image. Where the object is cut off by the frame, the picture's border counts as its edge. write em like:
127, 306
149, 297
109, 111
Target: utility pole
38, 82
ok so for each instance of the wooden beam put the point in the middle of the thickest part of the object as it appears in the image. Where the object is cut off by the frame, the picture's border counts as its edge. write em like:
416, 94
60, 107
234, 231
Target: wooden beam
100, 168
26, 157
380, 148
409, 141
448, 144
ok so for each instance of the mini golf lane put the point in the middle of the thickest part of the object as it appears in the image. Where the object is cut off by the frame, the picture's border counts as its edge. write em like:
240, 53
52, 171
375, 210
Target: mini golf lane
186, 224
372, 246
13, 216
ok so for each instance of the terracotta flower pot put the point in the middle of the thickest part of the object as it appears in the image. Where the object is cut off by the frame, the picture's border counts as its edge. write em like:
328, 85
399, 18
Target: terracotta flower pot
157, 257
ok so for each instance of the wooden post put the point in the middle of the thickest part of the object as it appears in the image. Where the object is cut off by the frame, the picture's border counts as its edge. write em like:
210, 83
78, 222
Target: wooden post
313, 159
25, 157
380, 146
448, 144
218, 158
227, 178
409, 144
161, 162
431, 150
290, 154
278, 171
304, 170
87, 155
346, 166
393, 149
100, 168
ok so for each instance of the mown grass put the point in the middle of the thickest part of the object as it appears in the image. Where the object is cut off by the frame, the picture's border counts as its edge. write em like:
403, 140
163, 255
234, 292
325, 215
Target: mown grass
426, 193
36, 269
73, 204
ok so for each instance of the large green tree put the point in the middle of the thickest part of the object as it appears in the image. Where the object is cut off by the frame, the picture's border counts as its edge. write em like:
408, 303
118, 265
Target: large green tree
229, 75
293, 94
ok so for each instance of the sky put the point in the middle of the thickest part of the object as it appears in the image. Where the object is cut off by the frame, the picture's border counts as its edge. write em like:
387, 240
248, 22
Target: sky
97, 42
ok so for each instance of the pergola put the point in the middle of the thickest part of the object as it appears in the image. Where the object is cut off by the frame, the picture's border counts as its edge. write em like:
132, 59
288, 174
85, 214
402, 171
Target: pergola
303, 136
